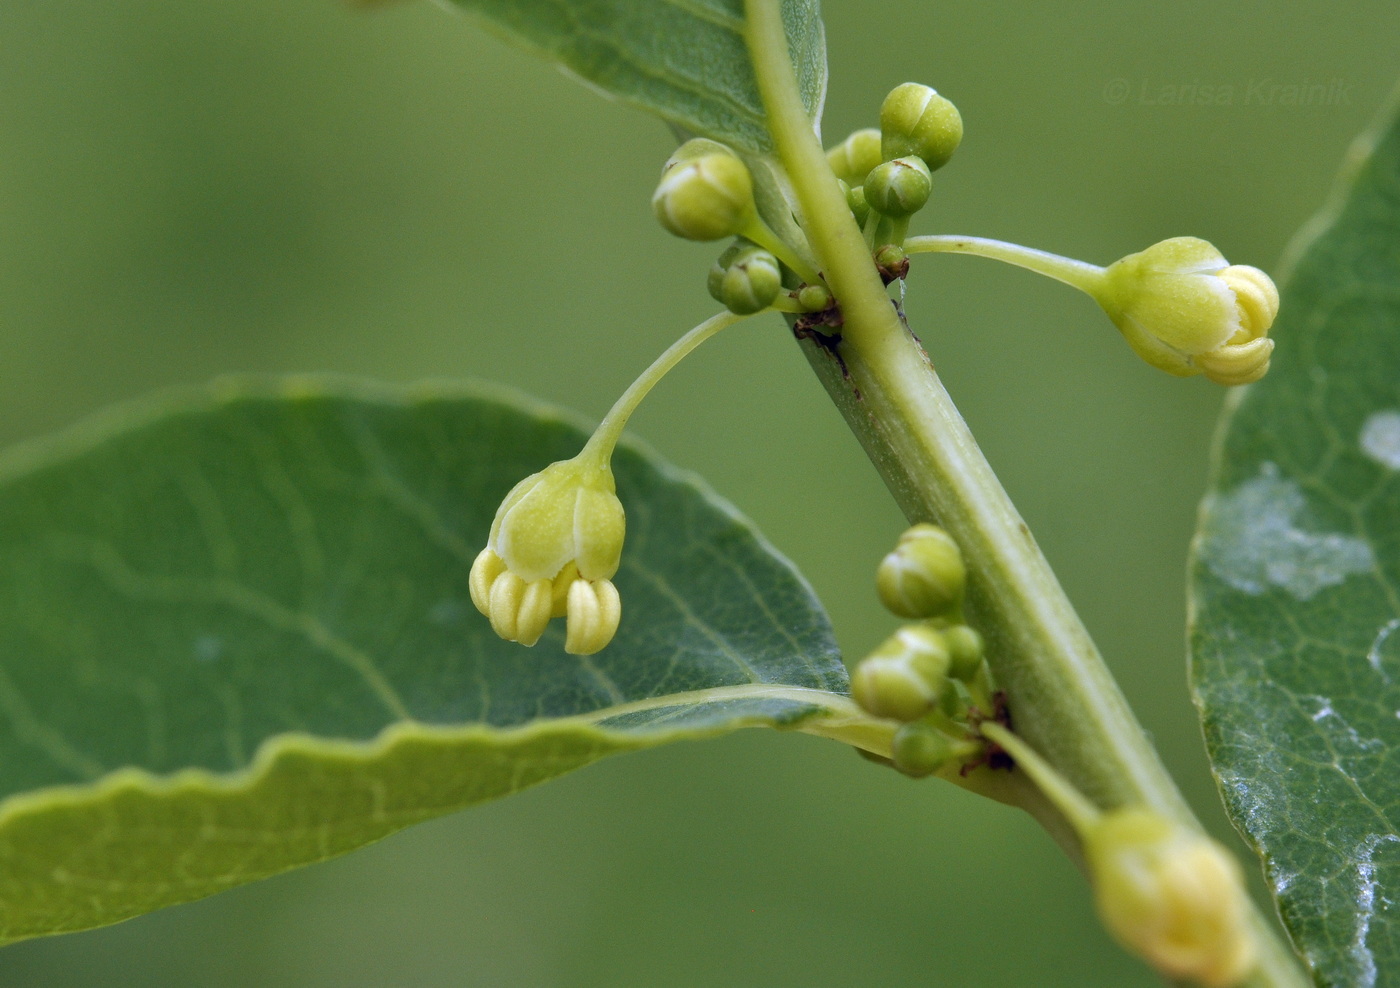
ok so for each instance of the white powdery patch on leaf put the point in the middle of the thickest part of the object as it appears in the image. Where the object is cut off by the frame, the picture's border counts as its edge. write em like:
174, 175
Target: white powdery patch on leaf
1380, 439
1253, 541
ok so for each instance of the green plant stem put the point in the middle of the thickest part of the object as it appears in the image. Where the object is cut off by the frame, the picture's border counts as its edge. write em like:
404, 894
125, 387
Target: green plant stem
759, 233
1081, 813
605, 437
1062, 696
1088, 278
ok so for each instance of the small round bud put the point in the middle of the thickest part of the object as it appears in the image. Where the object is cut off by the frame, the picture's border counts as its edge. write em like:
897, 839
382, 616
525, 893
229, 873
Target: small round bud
853, 158
924, 576
814, 298
965, 651
1171, 895
904, 677
915, 120
920, 750
860, 209
745, 279
705, 198
892, 261
900, 187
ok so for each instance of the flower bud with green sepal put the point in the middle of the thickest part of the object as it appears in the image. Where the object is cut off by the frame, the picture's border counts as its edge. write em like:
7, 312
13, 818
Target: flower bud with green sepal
919, 749
1184, 309
892, 262
900, 187
745, 279
814, 298
915, 120
1172, 895
923, 576
905, 676
965, 651
860, 208
853, 158
705, 193
556, 529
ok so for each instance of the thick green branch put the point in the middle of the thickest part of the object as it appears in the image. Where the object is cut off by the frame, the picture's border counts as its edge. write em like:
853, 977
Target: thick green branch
1063, 698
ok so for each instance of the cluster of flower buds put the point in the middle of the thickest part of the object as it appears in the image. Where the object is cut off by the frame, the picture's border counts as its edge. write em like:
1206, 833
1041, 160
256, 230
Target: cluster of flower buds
1171, 895
706, 193
888, 173
553, 549
929, 675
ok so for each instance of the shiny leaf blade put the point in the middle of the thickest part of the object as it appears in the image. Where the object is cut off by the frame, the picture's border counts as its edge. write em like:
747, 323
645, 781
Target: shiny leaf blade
1296, 589
682, 59
236, 637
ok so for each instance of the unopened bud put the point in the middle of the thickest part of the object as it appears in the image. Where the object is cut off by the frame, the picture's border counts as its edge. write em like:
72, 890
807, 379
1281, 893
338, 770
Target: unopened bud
924, 576
900, 187
915, 120
965, 651
814, 298
860, 209
904, 677
854, 157
892, 262
706, 195
1171, 895
920, 750
745, 279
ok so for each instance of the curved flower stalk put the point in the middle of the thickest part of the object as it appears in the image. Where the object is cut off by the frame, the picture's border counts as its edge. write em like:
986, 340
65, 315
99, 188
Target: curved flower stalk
1167, 892
1180, 305
556, 541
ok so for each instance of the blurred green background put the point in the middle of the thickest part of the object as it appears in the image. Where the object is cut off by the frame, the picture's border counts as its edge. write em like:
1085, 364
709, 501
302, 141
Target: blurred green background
267, 185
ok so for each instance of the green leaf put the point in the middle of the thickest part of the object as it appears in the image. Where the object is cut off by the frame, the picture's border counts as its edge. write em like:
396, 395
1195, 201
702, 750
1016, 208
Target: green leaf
1296, 589
236, 637
682, 59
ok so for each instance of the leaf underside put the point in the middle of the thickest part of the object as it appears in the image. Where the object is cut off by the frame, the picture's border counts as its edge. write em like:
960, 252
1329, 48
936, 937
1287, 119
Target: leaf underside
236, 637
1296, 590
684, 60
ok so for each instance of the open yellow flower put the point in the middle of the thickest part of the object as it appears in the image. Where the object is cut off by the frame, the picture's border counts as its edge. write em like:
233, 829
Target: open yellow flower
554, 547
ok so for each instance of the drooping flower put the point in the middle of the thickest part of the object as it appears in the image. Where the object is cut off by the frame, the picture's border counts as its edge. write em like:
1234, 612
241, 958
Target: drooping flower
554, 547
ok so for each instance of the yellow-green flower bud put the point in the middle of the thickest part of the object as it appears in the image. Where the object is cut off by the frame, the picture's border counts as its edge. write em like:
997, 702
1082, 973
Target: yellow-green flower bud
900, 187
860, 209
892, 262
814, 298
965, 651
920, 750
556, 529
854, 157
1171, 895
923, 576
1185, 310
706, 195
745, 279
904, 677
915, 120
